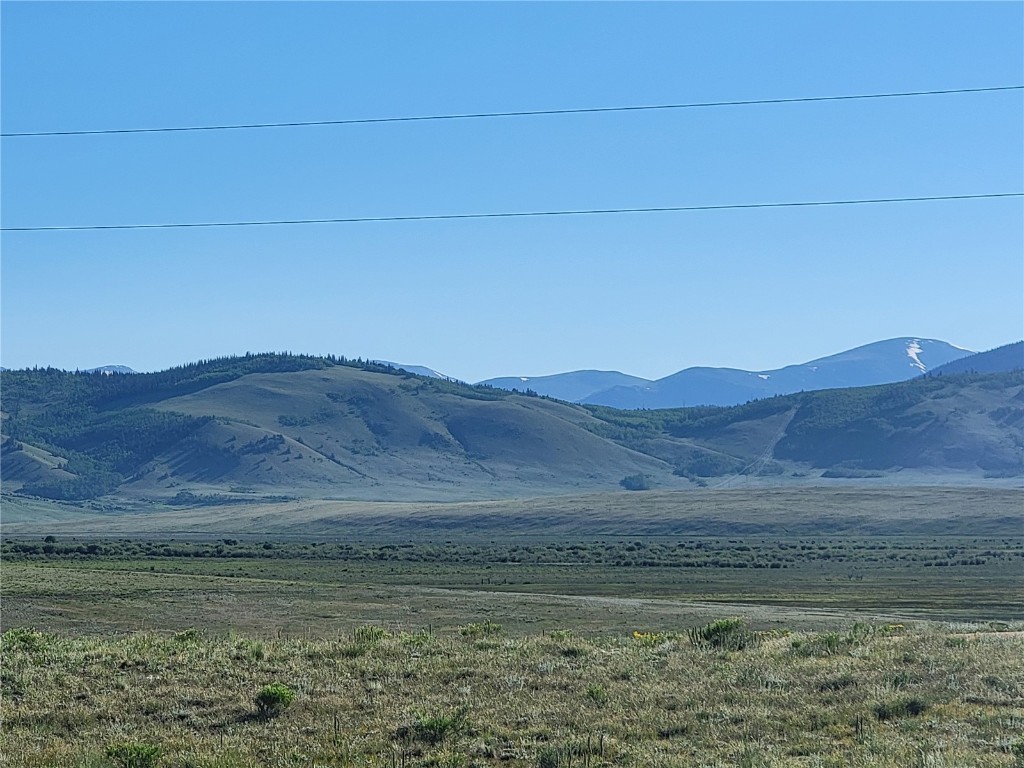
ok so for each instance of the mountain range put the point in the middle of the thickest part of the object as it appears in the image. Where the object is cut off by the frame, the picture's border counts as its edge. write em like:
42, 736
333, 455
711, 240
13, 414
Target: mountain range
272, 426
882, 362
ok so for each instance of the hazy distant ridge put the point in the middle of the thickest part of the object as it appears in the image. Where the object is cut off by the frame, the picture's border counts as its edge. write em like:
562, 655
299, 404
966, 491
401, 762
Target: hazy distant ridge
574, 387
882, 362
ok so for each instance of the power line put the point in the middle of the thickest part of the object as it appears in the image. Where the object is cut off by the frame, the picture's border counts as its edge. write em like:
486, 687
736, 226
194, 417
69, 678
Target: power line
523, 113
516, 214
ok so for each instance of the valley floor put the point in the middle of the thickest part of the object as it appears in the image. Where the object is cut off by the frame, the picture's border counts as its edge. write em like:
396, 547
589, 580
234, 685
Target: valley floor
639, 645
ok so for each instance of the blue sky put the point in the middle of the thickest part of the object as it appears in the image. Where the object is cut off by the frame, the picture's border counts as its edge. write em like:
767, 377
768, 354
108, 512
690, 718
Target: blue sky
647, 294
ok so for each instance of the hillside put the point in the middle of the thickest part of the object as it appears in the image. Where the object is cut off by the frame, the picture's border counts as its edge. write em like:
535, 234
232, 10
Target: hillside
1009, 357
282, 426
968, 422
288, 425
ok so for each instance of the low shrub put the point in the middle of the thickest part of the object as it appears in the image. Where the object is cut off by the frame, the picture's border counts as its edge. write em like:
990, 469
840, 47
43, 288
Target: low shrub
639, 482
189, 636
840, 683
835, 643
827, 644
905, 706
550, 757
480, 629
597, 694
23, 638
572, 754
274, 699
369, 634
433, 729
724, 634
1018, 752
134, 754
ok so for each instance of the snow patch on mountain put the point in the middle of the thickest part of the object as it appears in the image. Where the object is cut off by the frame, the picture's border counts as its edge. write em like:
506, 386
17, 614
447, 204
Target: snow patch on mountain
913, 350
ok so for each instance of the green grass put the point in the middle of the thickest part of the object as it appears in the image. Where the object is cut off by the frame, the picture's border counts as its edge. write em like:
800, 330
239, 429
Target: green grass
639, 651
887, 696
940, 578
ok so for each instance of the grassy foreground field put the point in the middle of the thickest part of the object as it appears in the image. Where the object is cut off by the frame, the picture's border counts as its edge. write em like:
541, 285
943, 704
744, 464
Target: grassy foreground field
868, 695
721, 629
536, 655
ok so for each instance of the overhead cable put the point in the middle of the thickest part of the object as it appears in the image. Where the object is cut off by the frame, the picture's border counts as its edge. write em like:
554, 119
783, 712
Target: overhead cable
521, 113
514, 214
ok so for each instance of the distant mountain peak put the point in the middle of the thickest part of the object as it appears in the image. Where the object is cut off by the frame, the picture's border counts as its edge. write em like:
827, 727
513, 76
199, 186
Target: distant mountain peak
881, 362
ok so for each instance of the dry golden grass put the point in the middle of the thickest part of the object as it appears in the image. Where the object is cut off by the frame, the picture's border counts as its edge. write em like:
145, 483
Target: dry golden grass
798, 510
864, 696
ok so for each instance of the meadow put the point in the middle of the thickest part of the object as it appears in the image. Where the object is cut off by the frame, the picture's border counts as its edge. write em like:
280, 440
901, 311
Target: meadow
107, 584
384, 647
474, 695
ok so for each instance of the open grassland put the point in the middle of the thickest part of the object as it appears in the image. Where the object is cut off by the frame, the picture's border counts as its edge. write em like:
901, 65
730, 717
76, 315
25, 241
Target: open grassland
542, 654
109, 583
870, 630
843, 507
865, 695
105, 602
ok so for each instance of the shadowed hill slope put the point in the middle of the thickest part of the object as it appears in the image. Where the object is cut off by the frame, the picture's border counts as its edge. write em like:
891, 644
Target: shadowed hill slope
284, 426
360, 430
305, 426
969, 422
1009, 357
